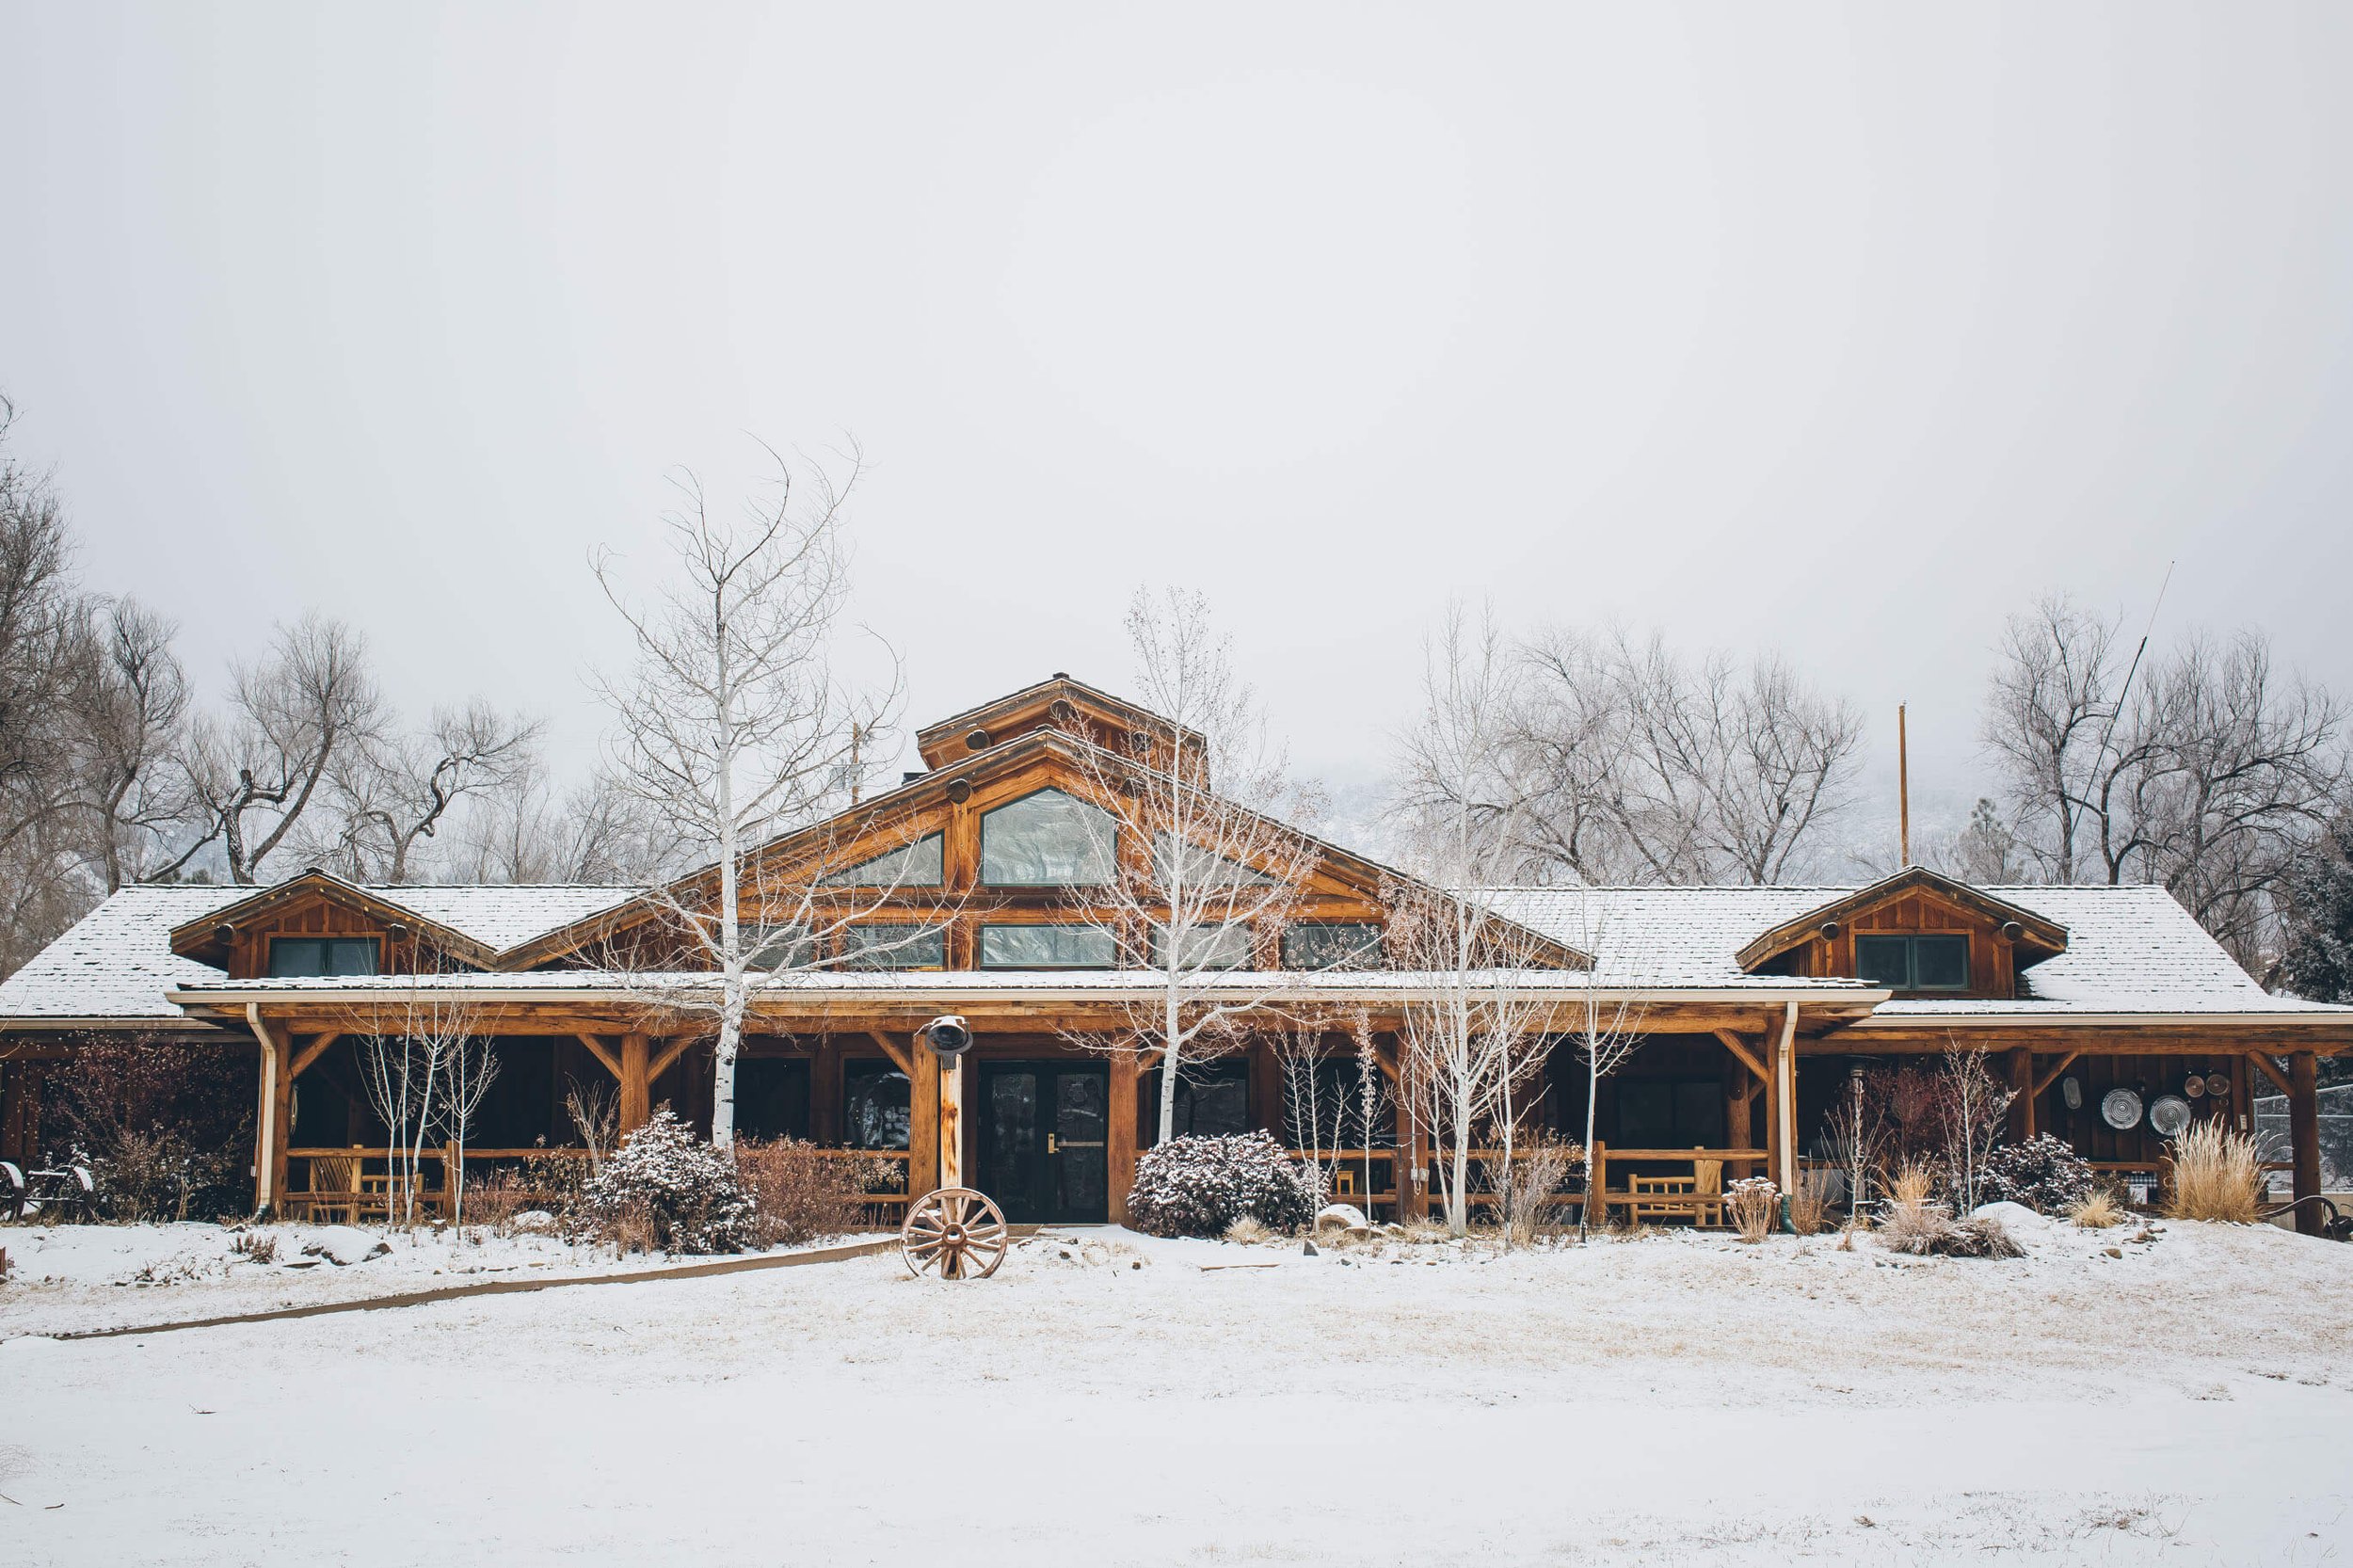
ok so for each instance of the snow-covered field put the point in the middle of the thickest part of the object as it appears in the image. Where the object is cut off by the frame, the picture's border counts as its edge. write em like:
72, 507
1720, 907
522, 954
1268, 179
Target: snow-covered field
1106, 1398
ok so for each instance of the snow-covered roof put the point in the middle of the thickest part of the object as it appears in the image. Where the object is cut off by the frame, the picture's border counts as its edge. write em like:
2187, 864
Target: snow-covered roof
2129, 949
117, 961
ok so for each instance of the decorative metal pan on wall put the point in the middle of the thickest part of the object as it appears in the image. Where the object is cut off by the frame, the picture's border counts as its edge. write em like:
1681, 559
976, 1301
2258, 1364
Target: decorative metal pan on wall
2219, 1084
2167, 1116
2121, 1109
2071, 1091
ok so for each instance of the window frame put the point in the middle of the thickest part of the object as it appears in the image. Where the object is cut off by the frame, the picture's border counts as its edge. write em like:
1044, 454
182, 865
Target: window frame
374, 946
846, 876
1911, 940
1111, 868
1214, 934
1377, 953
909, 932
980, 946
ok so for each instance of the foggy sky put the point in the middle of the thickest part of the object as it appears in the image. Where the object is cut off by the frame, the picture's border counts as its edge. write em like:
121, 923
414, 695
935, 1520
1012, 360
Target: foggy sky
1840, 331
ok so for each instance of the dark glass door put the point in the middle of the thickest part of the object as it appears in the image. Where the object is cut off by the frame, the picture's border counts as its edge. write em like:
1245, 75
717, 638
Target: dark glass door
1043, 1141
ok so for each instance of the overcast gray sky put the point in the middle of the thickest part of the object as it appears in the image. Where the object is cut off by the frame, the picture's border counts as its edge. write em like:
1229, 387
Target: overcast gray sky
1843, 331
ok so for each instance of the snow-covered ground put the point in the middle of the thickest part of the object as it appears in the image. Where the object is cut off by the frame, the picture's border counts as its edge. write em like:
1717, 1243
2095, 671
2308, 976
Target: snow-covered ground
1106, 1398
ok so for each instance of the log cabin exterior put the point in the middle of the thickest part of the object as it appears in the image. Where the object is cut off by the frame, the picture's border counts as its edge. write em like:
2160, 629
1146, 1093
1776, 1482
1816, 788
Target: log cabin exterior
954, 894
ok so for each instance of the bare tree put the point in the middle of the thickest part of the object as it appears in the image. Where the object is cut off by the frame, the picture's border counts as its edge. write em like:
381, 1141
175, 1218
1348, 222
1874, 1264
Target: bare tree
1970, 1107
2202, 770
1636, 766
1604, 1029
471, 1068
1471, 1033
733, 727
131, 722
407, 1076
390, 793
292, 718
1193, 859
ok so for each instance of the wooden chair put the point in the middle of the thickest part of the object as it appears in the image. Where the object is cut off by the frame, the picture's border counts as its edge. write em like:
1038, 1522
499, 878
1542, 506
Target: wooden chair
1707, 1187
334, 1190
1698, 1197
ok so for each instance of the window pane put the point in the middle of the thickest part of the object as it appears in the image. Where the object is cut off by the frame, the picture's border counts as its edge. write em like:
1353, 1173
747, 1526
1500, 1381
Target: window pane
1883, 961
1046, 947
1048, 840
1213, 1099
771, 1096
1331, 946
778, 947
875, 1095
1198, 867
893, 947
1940, 963
1330, 1112
1646, 1115
295, 957
915, 865
1209, 947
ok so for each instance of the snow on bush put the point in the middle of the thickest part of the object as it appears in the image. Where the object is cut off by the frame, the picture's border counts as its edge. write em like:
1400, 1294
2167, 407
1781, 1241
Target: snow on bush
1753, 1202
1201, 1186
2043, 1172
663, 1189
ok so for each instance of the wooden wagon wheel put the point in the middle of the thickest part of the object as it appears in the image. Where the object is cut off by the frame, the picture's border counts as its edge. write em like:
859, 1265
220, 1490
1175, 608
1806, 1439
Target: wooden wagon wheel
956, 1230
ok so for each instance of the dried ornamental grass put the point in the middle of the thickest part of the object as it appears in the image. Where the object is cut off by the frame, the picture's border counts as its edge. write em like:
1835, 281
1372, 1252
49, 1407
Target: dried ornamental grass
1751, 1202
2213, 1174
1910, 1222
1248, 1231
1809, 1203
2099, 1212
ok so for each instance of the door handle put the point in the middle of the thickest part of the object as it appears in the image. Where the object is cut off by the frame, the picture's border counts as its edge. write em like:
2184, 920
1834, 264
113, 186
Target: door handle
1076, 1144
1049, 1143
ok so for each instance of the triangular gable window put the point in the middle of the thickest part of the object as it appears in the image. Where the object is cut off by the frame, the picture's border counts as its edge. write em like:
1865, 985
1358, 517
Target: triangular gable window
915, 865
1199, 867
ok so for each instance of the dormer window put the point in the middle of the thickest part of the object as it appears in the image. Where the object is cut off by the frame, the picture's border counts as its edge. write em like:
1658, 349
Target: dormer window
304, 957
1906, 963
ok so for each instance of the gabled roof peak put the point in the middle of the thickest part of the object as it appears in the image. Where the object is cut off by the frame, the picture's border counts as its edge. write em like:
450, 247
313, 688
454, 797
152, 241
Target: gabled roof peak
2037, 936
1057, 702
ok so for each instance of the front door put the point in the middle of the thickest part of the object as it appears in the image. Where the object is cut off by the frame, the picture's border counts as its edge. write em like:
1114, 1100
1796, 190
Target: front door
1045, 1131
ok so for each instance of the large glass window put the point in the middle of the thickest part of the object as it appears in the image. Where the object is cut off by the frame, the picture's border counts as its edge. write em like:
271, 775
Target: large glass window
772, 1096
893, 947
1207, 946
875, 1105
1174, 856
1212, 1099
915, 865
1913, 962
1332, 945
296, 958
778, 947
1047, 947
1669, 1114
1049, 839
1330, 1112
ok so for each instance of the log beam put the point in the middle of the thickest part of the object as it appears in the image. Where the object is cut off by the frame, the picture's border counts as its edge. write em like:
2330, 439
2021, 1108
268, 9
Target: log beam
1739, 1048
1122, 1133
897, 1052
2022, 1093
2270, 1070
601, 1051
309, 1054
668, 1057
2043, 1084
2304, 1138
636, 1083
923, 1124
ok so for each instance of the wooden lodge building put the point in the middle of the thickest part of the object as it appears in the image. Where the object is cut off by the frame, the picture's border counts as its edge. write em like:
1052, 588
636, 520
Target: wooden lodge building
1755, 1003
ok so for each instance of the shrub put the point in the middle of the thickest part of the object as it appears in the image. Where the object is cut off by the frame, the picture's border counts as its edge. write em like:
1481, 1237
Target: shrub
2043, 1172
1530, 1191
2214, 1173
1200, 1186
165, 1126
1752, 1201
798, 1191
663, 1189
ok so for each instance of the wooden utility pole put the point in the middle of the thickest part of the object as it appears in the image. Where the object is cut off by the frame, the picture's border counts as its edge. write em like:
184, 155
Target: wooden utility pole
1903, 786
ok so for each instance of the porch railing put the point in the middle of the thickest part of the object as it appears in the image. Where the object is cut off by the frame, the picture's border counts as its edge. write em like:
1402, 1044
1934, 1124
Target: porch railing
372, 1179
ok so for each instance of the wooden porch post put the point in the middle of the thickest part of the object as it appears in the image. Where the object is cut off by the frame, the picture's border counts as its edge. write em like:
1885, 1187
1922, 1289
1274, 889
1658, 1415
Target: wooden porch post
1786, 1100
276, 1095
1413, 1144
2021, 1098
922, 1123
1265, 1090
2304, 1137
636, 1083
1122, 1153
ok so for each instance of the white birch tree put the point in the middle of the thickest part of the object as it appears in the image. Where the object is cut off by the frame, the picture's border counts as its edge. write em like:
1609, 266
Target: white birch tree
1207, 868
1472, 1032
733, 726
1605, 1026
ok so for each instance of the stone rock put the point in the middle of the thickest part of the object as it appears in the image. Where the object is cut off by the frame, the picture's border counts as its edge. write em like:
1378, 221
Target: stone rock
343, 1246
2014, 1216
1307, 1249
1343, 1216
534, 1221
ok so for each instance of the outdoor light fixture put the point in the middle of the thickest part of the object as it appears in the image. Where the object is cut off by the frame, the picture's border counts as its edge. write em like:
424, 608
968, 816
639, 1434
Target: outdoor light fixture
948, 1035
